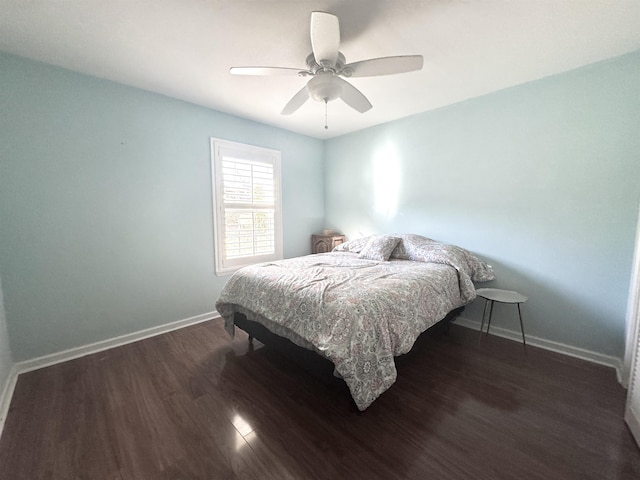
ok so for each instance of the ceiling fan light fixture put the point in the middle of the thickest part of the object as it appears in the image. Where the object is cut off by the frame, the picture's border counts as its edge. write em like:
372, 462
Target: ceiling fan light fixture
324, 87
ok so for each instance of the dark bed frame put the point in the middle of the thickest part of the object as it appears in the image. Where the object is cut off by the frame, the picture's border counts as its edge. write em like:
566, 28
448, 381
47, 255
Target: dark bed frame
309, 359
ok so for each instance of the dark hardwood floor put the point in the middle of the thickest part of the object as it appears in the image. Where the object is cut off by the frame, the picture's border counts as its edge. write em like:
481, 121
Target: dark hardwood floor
193, 404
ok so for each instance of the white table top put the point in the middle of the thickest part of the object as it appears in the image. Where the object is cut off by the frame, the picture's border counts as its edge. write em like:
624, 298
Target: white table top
503, 296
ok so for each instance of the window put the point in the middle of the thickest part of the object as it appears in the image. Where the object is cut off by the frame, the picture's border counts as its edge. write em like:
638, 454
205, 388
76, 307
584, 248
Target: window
246, 205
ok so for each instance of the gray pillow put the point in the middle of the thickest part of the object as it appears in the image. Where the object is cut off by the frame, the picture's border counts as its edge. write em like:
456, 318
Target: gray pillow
379, 247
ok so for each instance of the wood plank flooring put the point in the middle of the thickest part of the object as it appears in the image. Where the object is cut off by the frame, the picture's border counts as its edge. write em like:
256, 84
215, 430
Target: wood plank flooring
194, 404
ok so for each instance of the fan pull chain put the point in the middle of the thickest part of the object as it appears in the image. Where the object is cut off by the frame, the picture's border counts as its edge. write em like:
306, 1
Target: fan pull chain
326, 127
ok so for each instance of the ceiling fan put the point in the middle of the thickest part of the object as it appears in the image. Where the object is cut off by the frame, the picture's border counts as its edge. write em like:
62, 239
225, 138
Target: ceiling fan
326, 65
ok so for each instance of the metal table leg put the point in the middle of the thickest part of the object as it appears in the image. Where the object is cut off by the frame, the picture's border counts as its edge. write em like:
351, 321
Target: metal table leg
490, 314
524, 342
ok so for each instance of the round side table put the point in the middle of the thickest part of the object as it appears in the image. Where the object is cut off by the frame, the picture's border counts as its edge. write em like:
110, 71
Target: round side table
492, 295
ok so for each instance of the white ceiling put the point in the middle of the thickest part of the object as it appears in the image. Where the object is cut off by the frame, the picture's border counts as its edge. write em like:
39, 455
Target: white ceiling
184, 48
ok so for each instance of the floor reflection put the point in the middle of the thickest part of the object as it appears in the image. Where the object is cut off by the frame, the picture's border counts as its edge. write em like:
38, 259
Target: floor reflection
244, 430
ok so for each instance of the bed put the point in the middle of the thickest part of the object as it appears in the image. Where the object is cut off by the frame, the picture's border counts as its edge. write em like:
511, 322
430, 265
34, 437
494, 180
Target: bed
360, 305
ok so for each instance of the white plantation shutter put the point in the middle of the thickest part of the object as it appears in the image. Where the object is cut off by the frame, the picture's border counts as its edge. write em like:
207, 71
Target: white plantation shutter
246, 184
249, 212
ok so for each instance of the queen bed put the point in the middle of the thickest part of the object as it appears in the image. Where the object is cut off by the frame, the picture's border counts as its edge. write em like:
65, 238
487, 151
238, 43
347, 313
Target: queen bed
360, 305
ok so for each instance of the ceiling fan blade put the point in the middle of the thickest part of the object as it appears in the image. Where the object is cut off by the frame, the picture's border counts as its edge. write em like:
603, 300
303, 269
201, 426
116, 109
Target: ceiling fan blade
353, 97
265, 71
384, 66
296, 102
325, 38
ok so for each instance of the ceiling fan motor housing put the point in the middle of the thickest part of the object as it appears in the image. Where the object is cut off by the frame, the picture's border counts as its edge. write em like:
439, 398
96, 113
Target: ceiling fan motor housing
315, 68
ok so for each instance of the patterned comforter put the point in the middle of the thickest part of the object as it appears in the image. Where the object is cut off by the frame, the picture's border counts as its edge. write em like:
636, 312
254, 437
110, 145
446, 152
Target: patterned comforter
358, 313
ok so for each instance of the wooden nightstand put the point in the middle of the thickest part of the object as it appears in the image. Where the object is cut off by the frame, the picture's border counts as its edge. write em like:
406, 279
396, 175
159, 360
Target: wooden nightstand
325, 243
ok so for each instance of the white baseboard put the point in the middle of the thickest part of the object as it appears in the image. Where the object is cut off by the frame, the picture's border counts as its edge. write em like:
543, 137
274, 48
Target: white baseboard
7, 393
581, 353
77, 352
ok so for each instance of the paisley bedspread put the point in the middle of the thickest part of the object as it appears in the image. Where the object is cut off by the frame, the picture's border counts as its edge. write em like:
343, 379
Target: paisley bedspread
358, 313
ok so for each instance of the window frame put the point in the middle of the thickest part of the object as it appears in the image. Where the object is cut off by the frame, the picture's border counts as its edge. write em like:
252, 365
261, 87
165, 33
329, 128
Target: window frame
251, 154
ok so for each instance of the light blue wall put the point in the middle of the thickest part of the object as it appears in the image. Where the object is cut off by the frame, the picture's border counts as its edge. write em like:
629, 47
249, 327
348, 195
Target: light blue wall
105, 210
105, 205
542, 180
6, 361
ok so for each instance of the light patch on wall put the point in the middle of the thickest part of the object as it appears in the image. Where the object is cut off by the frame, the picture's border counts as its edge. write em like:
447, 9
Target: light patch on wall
387, 176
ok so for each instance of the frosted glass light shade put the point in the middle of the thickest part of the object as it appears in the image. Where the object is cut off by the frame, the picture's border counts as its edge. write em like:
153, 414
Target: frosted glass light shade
324, 87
